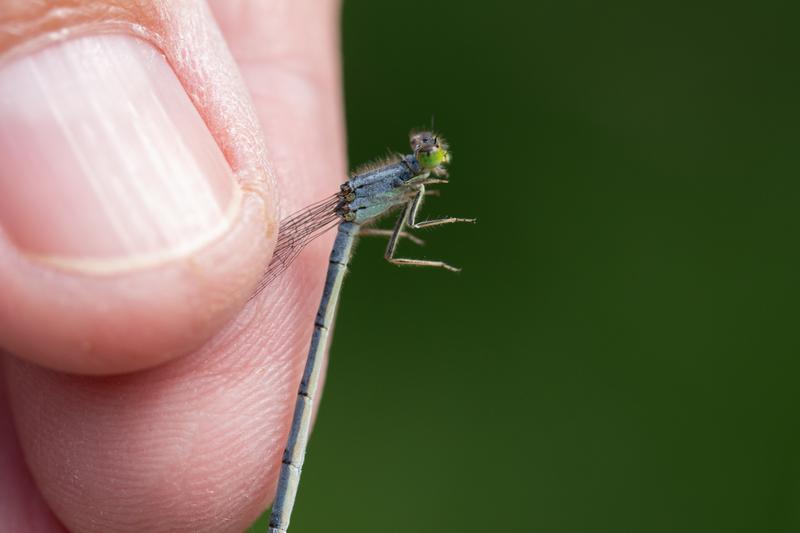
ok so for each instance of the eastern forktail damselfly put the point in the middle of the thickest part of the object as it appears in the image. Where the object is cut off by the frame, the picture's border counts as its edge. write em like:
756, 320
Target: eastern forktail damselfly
371, 192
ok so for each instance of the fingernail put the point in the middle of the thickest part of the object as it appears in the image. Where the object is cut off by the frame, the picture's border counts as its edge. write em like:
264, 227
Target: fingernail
106, 163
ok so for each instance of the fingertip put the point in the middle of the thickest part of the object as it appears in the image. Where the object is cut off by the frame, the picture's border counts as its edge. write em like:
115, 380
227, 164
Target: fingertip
136, 205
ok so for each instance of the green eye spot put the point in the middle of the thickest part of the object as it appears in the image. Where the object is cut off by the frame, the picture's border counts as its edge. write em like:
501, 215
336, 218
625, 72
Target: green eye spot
432, 158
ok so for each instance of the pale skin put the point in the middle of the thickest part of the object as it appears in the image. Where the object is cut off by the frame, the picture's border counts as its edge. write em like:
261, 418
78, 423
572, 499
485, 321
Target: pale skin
174, 394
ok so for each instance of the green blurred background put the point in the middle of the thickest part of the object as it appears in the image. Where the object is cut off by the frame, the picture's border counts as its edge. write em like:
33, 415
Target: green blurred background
620, 352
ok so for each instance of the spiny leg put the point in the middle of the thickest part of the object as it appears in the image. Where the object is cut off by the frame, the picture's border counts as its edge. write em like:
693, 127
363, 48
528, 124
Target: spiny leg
440, 221
426, 179
422, 262
370, 232
413, 207
409, 212
391, 246
416, 203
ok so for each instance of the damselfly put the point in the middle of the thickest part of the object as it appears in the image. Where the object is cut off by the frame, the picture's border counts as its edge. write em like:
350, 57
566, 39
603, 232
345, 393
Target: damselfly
371, 192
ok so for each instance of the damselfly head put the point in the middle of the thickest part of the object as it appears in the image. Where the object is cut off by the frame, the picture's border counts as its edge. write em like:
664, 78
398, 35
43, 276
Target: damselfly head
430, 149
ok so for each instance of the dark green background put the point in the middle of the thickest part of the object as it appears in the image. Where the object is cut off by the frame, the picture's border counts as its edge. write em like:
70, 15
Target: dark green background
620, 352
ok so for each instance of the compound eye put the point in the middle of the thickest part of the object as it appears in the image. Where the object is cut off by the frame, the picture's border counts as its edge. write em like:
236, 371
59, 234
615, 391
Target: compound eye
418, 140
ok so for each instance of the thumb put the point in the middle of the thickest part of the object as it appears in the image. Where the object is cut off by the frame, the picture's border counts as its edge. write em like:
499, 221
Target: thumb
133, 219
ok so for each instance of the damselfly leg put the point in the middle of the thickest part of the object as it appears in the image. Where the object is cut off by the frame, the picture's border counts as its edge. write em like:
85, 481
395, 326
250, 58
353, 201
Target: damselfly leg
377, 232
409, 216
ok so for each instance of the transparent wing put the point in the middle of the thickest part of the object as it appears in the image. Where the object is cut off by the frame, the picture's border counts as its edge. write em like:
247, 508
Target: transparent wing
295, 232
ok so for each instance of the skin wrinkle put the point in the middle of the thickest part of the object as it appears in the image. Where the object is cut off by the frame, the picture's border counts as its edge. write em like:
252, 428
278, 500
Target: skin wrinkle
98, 397
23, 21
21, 508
